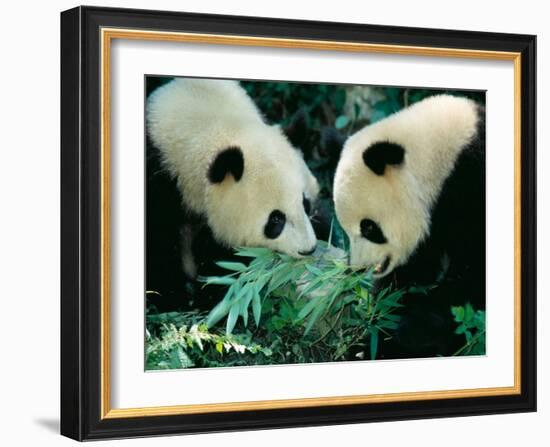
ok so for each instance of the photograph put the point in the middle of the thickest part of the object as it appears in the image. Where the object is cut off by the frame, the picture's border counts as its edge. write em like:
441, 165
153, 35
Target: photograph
279, 223
290, 223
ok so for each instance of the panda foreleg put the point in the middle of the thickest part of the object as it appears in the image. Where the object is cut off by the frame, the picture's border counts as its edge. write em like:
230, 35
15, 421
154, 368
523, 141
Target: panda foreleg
188, 232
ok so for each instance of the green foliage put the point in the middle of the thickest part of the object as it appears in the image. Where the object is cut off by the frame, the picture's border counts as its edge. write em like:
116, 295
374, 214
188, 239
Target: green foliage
278, 101
472, 325
282, 310
181, 340
278, 310
341, 122
316, 299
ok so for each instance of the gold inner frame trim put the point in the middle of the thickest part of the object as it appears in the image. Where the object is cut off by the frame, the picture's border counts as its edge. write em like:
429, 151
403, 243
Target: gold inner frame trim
107, 35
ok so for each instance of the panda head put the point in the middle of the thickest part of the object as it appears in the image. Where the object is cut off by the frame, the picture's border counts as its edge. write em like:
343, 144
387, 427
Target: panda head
377, 205
261, 197
391, 173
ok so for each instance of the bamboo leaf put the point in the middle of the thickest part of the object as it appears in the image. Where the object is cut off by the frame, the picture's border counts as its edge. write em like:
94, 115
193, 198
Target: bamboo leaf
254, 252
280, 277
315, 316
220, 280
313, 285
245, 303
233, 266
219, 311
232, 318
314, 270
373, 342
261, 282
388, 324
308, 308
257, 308
393, 297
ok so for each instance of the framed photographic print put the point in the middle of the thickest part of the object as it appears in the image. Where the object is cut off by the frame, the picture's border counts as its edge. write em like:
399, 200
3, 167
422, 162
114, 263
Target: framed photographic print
275, 223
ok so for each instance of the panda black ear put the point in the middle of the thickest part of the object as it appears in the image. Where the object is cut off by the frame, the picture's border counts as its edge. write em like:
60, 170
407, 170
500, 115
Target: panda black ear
228, 161
297, 128
332, 143
377, 156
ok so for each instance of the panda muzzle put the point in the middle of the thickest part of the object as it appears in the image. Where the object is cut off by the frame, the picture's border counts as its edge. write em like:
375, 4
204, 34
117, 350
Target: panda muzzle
380, 269
309, 252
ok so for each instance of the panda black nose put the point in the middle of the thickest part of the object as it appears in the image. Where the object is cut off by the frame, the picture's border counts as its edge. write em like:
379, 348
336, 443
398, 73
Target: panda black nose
307, 253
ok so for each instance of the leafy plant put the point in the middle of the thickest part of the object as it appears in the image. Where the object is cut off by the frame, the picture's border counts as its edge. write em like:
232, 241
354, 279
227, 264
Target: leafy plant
191, 344
472, 325
291, 311
318, 297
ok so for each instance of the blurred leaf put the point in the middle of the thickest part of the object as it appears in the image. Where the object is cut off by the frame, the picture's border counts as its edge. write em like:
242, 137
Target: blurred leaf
233, 266
257, 308
468, 314
232, 318
458, 312
373, 342
341, 122
317, 312
308, 308
219, 311
220, 280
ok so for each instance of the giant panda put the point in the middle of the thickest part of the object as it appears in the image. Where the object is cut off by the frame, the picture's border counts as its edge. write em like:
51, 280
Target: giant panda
238, 178
409, 191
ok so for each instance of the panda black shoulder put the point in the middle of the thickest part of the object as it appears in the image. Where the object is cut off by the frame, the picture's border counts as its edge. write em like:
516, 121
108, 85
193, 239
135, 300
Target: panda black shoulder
455, 244
458, 216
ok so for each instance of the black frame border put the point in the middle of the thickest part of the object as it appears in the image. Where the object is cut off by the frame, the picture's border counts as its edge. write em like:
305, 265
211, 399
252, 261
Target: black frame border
81, 222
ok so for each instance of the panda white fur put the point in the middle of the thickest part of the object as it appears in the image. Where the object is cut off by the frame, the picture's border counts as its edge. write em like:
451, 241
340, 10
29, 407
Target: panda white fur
409, 191
239, 175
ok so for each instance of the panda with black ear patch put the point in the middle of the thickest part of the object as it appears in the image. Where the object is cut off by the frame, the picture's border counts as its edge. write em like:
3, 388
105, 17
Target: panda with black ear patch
239, 178
409, 191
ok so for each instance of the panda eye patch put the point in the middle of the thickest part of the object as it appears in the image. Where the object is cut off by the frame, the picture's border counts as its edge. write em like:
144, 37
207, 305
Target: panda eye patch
275, 224
307, 205
371, 231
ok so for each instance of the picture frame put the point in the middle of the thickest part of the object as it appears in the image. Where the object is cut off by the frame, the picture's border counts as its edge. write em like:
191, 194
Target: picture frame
87, 35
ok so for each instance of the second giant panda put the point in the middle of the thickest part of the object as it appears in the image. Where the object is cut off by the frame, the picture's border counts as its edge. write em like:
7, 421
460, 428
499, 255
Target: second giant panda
409, 191
239, 178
